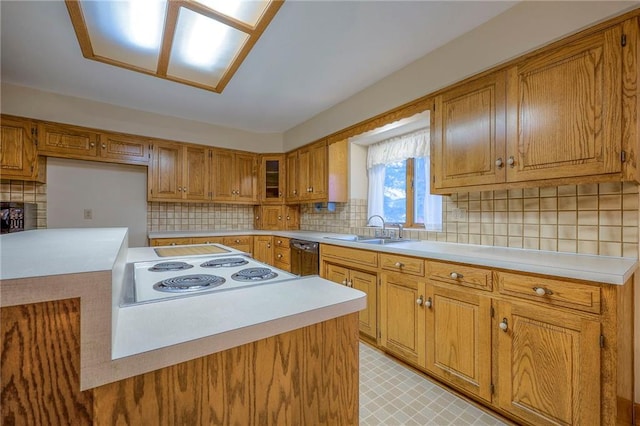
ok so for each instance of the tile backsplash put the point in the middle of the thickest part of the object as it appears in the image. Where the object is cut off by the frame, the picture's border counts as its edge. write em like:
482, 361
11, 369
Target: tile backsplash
592, 218
27, 192
197, 217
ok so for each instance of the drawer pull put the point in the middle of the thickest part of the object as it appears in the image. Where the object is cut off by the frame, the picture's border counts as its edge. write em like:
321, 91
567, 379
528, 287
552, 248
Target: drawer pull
237, 241
344, 282
428, 303
503, 325
541, 291
419, 301
499, 163
455, 275
279, 256
399, 264
350, 284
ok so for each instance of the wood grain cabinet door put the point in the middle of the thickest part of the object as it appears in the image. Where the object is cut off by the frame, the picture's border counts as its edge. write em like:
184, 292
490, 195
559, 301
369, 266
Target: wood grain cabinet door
246, 177
565, 109
124, 149
263, 249
459, 338
67, 141
195, 176
292, 179
367, 283
165, 173
469, 134
336, 273
402, 317
317, 174
548, 365
222, 177
17, 149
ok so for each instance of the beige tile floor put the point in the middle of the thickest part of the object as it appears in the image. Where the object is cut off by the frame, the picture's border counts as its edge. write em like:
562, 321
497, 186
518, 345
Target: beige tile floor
393, 395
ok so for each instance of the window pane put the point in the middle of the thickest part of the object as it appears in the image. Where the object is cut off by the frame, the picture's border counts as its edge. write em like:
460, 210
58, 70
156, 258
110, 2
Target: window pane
395, 192
420, 188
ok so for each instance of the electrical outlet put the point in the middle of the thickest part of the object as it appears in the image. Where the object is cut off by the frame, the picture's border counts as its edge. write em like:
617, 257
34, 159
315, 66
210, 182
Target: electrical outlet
88, 214
459, 215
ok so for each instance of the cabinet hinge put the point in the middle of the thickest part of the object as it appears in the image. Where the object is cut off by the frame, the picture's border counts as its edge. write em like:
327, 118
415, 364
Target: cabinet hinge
623, 40
493, 389
623, 156
602, 341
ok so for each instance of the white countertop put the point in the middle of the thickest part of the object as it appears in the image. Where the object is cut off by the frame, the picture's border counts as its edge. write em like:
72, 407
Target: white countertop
45, 252
601, 269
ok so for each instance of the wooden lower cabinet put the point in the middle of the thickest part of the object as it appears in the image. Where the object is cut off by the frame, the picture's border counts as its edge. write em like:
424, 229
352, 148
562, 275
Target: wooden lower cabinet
548, 365
459, 338
363, 281
402, 317
158, 242
263, 248
240, 242
307, 376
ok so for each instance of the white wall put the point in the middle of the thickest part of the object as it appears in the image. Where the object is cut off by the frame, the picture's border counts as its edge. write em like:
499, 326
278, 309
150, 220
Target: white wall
34, 103
522, 28
115, 193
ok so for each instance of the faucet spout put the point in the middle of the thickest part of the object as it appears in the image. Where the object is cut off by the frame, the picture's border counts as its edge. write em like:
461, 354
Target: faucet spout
378, 216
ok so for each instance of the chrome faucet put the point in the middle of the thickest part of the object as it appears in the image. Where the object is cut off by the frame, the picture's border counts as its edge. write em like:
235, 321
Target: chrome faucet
381, 218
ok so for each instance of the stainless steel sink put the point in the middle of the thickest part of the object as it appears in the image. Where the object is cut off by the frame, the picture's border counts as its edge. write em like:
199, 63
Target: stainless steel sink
383, 241
368, 240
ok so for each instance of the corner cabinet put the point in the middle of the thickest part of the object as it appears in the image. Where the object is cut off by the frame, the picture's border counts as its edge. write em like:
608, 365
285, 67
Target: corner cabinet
271, 217
234, 176
552, 118
272, 179
178, 172
18, 154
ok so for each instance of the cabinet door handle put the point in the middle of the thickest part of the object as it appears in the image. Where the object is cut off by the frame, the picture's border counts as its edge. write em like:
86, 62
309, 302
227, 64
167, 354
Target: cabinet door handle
237, 241
288, 217
92, 144
172, 244
279, 242
419, 301
428, 303
541, 291
279, 193
279, 256
268, 245
257, 217
344, 282
104, 146
511, 161
455, 275
295, 192
499, 163
504, 326
399, 264
279, 217
179, 189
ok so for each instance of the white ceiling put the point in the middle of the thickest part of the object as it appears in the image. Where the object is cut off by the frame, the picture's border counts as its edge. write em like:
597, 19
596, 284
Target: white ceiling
314, 55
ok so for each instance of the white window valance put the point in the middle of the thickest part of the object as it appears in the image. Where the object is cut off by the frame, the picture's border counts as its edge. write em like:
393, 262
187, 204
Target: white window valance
411, 145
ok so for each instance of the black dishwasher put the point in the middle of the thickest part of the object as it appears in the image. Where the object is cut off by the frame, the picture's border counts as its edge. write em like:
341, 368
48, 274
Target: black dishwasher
304, 257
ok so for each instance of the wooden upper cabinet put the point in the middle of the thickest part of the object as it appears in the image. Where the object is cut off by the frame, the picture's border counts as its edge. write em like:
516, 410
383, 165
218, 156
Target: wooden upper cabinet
565, 109
318, 173
179, 172
18, 156
469, 133
293, 182
165, 172
234, 176
272, 179
67, 141
124, 148
548, 365
61, 140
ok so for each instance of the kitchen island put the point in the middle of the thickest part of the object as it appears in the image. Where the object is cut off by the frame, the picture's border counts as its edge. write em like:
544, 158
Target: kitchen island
282, 353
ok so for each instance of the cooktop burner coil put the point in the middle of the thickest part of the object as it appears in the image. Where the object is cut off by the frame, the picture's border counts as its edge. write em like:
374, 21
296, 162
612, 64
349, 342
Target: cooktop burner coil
189, 283
170, 266
254, 274
225, 262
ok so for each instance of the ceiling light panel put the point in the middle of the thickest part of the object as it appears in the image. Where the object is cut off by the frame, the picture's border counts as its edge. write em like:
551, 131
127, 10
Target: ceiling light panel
126, 31
248, 12
203, 48
200, 43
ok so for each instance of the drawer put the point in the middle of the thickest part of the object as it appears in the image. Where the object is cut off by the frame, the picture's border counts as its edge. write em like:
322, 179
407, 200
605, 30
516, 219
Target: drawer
404, 264
170, 242
206, 240
467, 276
568, 294
240, 240
283, 266
362, 257
282, 255
281, 242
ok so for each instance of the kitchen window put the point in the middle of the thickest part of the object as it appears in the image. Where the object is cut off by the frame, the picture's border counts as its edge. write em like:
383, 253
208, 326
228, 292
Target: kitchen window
398, 170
